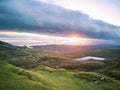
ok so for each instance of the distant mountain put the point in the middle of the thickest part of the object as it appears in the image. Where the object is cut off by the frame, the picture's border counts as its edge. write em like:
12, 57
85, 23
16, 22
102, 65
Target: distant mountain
4, 43
8, 51
75, 49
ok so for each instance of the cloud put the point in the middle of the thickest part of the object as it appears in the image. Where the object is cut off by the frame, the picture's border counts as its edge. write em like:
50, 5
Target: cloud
36, 16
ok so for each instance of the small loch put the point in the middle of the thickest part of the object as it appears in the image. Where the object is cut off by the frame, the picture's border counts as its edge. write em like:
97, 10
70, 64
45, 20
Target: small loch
90, 58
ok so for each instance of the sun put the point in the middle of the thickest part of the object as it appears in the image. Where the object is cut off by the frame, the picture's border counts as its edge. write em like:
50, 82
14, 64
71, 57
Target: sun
74, 38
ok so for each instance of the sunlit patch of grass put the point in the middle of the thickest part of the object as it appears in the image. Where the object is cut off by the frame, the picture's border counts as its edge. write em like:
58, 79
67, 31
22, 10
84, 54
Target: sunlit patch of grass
46, 78
13, 78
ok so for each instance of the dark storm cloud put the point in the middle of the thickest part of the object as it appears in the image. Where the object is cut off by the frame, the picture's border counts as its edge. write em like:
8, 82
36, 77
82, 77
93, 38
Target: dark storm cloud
36, 16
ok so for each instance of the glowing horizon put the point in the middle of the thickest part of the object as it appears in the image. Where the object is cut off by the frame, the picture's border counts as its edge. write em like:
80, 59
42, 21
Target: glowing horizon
23, 38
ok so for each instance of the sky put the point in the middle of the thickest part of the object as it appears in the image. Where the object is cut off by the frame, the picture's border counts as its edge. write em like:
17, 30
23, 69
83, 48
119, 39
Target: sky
76, 22
106, 10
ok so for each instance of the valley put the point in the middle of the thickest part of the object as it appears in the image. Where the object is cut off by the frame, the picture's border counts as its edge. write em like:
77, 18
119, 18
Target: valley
45, 68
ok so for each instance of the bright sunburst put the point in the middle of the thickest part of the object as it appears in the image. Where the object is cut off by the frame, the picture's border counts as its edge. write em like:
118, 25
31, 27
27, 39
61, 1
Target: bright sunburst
74, 39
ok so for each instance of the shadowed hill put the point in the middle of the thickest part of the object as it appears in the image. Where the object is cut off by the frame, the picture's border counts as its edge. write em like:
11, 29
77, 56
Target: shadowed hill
8, 51
4, 43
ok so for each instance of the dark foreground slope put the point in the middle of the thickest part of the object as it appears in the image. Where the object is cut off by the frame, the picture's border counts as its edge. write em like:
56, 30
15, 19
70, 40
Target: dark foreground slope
46, 78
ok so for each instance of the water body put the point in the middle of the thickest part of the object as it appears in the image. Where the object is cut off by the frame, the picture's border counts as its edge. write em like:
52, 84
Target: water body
89, 58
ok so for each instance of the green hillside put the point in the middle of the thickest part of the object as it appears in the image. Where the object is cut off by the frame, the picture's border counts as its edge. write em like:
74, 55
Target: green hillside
46, 78
46, 69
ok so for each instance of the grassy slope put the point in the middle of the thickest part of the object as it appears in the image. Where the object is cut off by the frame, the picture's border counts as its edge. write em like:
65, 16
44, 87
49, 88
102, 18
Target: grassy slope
9, 80
45, 78
42, 78
31, 58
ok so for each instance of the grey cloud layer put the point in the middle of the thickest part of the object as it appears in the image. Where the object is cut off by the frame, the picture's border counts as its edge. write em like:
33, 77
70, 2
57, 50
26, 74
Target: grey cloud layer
35, 16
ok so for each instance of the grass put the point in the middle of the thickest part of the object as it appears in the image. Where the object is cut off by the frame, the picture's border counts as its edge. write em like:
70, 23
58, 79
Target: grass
46, 78
10, 80
46, 70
